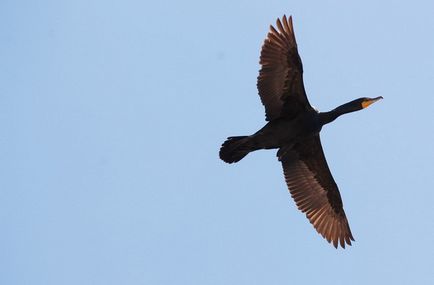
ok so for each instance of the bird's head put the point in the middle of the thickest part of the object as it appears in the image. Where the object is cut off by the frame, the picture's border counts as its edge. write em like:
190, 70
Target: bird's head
365, 102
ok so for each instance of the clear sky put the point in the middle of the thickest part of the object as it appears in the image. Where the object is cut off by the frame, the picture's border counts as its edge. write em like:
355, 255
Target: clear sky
112, 114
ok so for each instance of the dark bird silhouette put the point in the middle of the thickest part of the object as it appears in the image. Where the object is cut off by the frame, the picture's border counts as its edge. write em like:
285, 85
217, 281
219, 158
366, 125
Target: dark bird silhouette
293, 128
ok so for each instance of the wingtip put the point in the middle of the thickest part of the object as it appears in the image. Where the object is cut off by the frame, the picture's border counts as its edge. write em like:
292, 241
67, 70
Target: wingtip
335, 243
287, 19
278, 23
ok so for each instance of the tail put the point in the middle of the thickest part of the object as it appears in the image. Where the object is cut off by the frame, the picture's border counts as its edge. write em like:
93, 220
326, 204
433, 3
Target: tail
235, 148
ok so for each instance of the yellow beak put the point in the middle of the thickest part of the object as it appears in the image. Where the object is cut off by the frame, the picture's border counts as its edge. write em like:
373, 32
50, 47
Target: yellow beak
369, 101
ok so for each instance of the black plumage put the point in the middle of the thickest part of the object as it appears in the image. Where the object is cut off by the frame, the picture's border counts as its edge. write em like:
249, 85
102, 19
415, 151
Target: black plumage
293, 128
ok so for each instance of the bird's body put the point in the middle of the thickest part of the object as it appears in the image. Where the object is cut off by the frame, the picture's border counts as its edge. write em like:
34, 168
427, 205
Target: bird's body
293, 128
284, 131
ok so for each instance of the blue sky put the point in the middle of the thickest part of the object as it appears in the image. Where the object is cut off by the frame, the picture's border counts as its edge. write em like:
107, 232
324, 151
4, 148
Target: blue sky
113, 112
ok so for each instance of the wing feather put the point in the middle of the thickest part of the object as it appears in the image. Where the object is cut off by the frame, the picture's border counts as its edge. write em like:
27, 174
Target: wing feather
315, 192
280, 81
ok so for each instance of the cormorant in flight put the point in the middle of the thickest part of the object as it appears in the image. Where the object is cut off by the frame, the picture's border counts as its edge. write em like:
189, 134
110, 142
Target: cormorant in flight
293, 128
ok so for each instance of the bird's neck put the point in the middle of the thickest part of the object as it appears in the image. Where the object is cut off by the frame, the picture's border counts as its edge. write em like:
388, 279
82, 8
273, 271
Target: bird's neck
328, 117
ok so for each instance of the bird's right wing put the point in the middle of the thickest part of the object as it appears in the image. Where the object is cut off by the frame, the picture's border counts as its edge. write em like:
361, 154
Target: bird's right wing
280, 80
314, 190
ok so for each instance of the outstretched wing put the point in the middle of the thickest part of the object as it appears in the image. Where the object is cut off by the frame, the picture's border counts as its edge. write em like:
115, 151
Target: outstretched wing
280, 80
314, 190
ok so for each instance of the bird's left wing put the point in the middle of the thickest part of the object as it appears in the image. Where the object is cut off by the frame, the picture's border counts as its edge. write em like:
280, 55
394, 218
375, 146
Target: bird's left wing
314, 190
280, 80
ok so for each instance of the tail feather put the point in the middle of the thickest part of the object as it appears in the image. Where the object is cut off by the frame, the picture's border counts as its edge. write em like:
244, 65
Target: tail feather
235, 148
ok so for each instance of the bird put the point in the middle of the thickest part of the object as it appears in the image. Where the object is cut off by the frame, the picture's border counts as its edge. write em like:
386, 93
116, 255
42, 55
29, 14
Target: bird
293, 128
